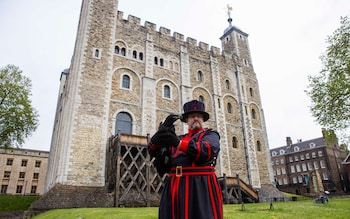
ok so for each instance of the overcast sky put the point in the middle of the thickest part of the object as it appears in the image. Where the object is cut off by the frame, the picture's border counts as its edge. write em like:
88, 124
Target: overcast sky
286, 39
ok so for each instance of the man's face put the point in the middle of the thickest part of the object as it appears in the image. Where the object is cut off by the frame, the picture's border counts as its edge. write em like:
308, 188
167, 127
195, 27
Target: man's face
195, 121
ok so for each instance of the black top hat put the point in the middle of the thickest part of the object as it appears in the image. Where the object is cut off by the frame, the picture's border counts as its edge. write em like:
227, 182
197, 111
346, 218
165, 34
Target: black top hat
194, 106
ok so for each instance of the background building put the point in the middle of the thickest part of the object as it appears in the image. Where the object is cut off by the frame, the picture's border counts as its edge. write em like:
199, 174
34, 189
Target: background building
128, 77
23, 171
309, 167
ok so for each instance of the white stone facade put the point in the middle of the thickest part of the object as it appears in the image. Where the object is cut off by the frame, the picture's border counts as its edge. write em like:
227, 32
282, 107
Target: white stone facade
92, 94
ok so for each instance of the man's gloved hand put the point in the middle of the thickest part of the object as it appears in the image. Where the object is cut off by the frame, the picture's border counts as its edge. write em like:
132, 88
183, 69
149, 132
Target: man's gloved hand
164, 138
169, 121
173, 139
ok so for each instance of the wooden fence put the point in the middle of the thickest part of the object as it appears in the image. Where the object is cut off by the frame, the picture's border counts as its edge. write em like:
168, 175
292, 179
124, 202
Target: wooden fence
131, 175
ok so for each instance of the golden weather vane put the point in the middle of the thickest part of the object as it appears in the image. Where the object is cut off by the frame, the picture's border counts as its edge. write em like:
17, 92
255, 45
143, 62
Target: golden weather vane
229, 9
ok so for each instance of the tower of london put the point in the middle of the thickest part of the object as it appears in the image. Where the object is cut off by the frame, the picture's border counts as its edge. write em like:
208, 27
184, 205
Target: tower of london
127, 77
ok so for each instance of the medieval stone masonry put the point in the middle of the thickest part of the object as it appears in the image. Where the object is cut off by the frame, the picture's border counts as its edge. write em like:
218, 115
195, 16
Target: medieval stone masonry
127, 76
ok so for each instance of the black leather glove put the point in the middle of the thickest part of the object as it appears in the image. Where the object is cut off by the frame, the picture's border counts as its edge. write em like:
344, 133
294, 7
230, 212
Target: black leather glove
173, 139
165, 138
169, 121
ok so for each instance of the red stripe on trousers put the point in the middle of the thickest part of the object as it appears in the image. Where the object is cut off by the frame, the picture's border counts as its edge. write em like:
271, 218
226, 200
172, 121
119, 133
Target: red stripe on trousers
213, 204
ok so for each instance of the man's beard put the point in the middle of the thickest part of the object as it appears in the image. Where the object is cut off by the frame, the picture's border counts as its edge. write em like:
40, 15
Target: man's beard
196, 125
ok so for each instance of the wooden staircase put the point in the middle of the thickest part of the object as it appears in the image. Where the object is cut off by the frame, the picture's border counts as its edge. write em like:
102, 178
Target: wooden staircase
236, 190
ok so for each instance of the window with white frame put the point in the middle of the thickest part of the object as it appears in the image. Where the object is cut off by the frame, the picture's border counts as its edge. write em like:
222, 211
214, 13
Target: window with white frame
300, 179
325, 176
166, 91
303, 166
296, 158
322, 164
302, 157
126, 81
285, 181
316, 165
298, 168
123, 123
283, 170
280, 181
307, 156
313, 155
282, 161
295, 180
278, 171
309, 165
296, 148
291, 159
292, 169
320, 154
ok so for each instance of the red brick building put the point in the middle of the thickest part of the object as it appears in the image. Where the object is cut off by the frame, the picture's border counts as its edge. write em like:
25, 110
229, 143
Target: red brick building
309, 167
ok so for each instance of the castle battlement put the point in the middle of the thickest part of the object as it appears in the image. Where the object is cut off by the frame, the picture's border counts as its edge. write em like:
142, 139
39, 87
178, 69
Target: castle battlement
134, 21
125, 76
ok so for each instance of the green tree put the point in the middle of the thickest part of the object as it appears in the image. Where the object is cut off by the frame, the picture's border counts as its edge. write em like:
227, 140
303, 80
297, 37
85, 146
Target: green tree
18, 119
330, 89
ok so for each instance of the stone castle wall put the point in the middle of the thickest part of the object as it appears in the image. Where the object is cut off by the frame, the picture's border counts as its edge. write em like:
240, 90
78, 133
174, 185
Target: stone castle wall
92, 94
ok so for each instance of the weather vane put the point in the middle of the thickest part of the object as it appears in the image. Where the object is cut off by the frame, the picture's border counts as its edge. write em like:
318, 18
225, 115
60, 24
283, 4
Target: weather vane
229, 9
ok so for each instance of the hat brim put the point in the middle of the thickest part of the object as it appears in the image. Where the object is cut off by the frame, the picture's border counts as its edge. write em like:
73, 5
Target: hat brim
204, 114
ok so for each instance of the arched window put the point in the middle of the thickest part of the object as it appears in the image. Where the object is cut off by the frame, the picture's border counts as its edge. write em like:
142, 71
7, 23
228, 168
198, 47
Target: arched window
123, 52
161, 62
97, 53
166, 91
227, 84
253, 114
251, 91
123, 123
141, 56
234, 142
229, 108
258, 146
134, 54
126, 82
155, 60
201, 98
116, 49
199, 76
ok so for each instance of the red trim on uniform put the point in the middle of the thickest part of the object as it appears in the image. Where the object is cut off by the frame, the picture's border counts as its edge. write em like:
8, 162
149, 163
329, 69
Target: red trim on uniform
212, 200
152, 146
187, 196
220, 200
175, 197
209, 150
184, 144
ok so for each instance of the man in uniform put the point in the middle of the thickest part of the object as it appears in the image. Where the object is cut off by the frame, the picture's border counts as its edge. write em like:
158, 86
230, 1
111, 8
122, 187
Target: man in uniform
191, 190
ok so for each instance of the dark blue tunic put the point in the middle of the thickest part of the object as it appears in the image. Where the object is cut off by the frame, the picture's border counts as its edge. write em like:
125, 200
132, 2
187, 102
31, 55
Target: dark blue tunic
191, 189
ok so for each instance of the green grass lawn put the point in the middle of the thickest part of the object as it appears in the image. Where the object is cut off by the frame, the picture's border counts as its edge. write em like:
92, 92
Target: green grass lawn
16, 202
336, 208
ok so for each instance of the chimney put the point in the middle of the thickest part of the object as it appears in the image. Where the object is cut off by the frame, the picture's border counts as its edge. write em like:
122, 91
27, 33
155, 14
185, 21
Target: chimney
289, 141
